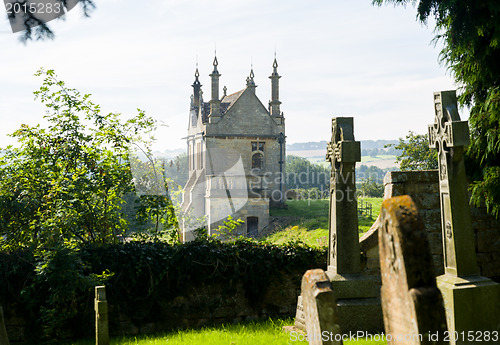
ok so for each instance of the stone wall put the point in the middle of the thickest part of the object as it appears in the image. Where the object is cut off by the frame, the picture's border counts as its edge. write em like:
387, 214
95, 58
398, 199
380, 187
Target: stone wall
206, 304
423, 187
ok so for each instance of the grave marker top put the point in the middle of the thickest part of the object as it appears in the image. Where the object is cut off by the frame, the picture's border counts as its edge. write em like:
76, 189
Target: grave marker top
343, 148
320, 309
448, 135
343, 152
411, 302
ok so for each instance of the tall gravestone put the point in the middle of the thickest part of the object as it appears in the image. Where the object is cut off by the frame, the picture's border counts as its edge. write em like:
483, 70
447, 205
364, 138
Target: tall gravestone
320, 309
358, 299
411, 302
4, 339
101, 316
472, 302
358, 303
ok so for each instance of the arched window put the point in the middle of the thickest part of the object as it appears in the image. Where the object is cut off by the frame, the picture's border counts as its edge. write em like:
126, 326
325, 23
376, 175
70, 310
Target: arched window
257, 161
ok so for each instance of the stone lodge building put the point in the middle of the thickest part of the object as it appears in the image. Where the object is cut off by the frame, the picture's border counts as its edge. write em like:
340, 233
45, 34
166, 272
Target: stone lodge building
236, 153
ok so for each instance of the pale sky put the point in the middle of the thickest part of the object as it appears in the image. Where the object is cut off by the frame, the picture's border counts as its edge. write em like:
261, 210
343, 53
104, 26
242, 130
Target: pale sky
336, 58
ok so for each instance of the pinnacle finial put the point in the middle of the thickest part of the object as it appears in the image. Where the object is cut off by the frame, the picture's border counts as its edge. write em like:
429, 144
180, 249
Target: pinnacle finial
216, 63
250, 81
275, 63
196, 75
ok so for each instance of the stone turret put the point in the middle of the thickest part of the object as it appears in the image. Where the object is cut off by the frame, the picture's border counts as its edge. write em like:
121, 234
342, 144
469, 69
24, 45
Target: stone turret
274, 104
215, 101
196, 89
250, 81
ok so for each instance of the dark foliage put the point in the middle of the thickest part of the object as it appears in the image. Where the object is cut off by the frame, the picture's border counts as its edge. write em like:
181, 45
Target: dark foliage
39, 30
470, 33
55, 290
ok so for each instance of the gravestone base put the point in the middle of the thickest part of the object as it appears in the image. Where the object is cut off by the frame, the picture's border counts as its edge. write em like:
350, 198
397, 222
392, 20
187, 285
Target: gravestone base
358, 303
472, 304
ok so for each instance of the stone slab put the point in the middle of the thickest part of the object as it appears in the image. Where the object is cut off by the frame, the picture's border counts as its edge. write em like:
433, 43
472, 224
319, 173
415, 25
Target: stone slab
472, 305
4, 339
423, 176
320, 309
362, 314
358, 303
353, 286
300, 316
412, 304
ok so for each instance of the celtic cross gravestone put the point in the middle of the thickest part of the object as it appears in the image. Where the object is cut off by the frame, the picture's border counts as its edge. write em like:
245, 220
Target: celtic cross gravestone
343, 152
358, 302
472, 302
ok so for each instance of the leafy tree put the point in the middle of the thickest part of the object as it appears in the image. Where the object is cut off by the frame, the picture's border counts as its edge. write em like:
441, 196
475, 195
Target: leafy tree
372, 171
37, 29
177, 169
67, 182
416, 154
301, 173
371, 188
470, 33
374, 153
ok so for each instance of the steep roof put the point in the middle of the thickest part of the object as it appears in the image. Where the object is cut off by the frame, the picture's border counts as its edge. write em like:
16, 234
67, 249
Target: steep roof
230, 99
226, 103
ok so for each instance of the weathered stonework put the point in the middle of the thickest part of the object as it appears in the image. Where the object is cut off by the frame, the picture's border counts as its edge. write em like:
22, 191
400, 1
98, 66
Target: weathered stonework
200, 305
4, 339
486, 228
411, 302
101, 316
472, 302
358, 302
320, 309
236, 154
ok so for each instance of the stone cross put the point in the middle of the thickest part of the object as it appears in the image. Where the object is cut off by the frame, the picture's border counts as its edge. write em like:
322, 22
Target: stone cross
472, 302
448, 135
101, 316
411, 302
319, 308
4, 339
343, 152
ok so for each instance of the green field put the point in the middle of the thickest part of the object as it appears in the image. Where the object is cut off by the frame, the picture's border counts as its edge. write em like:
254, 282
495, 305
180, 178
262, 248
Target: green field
254, 333
312, 225
365, 159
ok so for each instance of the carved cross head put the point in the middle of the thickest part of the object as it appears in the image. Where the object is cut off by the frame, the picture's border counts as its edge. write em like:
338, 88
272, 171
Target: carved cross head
343, 148
448, 131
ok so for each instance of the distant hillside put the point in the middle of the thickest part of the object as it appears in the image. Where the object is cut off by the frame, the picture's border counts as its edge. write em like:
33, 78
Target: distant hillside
311, 145
373, 152
319, 145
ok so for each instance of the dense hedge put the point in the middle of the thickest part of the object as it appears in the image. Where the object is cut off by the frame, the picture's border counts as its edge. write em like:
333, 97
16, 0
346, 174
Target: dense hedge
54, 290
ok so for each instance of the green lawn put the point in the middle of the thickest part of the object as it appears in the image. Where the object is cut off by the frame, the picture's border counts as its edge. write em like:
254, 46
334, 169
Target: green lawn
255, 333
312, 227
365, 159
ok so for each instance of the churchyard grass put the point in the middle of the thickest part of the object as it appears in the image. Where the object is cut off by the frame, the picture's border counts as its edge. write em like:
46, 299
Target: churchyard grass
366, 159
312, 225
255, 333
